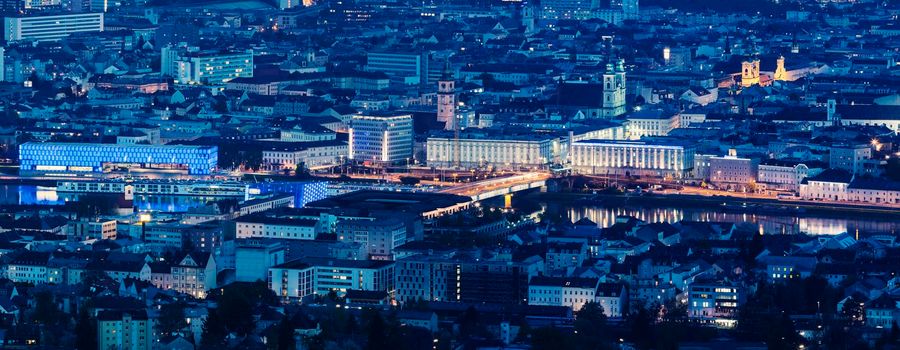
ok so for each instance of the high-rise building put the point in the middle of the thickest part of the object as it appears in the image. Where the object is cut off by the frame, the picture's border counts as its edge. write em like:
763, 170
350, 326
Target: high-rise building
50, 27
383, 138
630, 9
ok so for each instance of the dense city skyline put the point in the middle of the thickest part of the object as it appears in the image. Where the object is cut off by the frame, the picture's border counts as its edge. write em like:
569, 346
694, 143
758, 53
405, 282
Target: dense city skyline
449, 174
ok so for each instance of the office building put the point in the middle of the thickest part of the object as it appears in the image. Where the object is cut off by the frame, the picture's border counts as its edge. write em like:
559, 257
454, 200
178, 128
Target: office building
191, 66
715, 303
303, 191
39, 158
384, 138
567, 9
444, 277
400, 67
657, 158
50, 27
256, 226
479, 149
254, 257
379, 235
82, 230
309, 276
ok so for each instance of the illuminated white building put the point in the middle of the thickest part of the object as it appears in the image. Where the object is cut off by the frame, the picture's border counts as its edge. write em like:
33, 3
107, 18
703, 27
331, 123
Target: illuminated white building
50, 27
651, 122
497, 151
645, 158
572, 292
777, 174
205, 67
383, 138
715, 303
300, 278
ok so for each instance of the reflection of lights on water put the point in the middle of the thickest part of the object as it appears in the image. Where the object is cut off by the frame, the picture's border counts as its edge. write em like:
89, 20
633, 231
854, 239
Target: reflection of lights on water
48, 196
606, 217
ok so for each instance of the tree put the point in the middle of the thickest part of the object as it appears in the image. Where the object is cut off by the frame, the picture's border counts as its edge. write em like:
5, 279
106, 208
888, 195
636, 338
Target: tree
285, 336
892, 169
85, 331
590, 324
171, 319
45, 310
551, 338
214, 331
377, 333
409, 180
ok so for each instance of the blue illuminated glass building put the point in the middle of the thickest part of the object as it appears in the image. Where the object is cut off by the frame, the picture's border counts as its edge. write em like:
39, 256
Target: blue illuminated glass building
78, 158
303, 191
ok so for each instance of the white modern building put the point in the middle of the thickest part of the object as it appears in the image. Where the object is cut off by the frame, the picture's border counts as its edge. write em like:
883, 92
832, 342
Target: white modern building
254, 226
381, 138
189, 66
50, 27
659, 158
479, 149
297, 279
714, 303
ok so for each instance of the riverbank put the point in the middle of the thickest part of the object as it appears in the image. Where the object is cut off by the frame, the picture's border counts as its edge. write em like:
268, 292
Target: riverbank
724, 203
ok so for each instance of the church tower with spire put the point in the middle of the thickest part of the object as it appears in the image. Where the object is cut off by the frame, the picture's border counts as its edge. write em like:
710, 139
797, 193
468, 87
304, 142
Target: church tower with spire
614, 89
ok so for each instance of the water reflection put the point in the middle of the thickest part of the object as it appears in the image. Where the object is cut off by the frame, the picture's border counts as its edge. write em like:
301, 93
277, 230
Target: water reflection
35, 195
770, 224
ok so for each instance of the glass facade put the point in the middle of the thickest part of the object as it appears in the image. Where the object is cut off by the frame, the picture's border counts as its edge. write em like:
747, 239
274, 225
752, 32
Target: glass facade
304, 192
50, 157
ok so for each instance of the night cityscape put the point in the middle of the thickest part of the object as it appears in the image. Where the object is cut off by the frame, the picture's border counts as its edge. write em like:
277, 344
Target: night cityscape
450, 174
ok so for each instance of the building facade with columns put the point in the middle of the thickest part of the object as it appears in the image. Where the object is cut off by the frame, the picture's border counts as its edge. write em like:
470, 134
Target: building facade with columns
656, 158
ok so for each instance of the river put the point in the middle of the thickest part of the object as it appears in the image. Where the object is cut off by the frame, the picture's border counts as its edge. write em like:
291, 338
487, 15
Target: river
605, 216
12, 194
